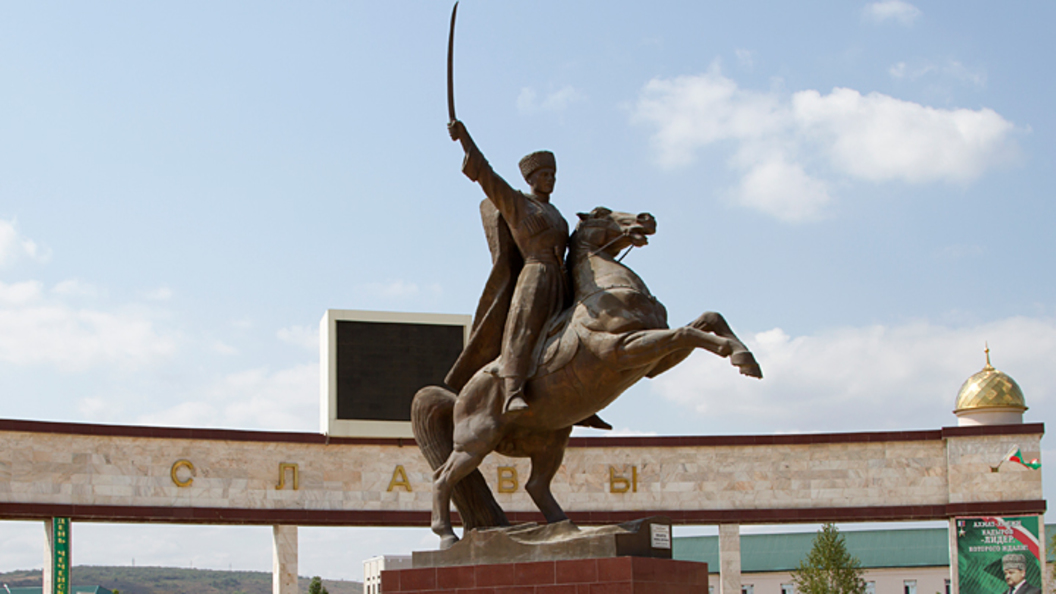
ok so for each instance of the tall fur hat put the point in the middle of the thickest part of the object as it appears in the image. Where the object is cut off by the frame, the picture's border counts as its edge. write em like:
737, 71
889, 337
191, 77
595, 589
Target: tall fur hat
535, 161
1014, 561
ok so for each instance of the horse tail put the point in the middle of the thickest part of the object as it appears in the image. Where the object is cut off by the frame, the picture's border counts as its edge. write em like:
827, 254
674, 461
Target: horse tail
432, 420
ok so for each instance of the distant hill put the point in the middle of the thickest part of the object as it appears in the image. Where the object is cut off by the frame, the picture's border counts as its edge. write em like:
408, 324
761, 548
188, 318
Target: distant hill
171, 580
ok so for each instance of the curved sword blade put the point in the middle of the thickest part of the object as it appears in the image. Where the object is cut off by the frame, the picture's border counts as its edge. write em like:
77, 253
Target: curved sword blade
451, 66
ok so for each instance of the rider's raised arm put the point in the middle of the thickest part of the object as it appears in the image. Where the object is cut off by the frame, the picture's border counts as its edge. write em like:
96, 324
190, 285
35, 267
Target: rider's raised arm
477, 168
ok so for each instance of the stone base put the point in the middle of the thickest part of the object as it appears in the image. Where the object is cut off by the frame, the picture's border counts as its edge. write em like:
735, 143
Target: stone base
561, 541
615, 575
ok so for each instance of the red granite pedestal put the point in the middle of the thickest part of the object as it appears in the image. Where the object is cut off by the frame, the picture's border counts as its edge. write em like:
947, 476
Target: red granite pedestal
615, 575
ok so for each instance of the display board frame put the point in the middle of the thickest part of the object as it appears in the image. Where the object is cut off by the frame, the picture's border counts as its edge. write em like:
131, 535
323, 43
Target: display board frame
333, 424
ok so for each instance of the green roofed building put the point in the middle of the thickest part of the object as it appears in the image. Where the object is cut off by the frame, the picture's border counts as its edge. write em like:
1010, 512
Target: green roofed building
906, 561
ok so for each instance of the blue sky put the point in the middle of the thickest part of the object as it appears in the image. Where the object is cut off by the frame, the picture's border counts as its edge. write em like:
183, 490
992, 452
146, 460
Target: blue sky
865, 190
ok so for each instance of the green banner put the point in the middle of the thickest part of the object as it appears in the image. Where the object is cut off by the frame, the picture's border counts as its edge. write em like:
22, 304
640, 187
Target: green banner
995, 555
60, 559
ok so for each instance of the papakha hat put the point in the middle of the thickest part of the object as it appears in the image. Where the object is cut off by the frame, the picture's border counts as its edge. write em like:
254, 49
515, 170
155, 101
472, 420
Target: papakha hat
1014, 561
535, 161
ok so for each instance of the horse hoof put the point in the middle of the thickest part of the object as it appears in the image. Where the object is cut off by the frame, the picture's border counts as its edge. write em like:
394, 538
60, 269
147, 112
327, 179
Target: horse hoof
447, 541
745, 361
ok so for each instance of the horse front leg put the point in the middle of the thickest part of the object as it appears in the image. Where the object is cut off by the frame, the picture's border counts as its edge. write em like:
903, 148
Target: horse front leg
647, 347
714, 323
545, 463
664, 348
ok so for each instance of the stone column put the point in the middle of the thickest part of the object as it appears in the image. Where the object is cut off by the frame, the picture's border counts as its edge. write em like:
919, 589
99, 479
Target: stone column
729, 559
284, 561
1042, 549
955, 585
56, 556
49, 556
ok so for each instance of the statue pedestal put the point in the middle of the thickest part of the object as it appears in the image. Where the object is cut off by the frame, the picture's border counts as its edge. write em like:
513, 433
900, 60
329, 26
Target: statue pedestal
613, 575
561, 541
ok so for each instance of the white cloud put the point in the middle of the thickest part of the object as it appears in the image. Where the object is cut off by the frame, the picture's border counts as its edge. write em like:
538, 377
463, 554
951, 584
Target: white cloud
287, 400
20, 293
864, 378
877, 137
781, 146
75, 340
694, 111
528, 100
302, 336
75, 288
891, 10
782, 189
35, 330
14, 247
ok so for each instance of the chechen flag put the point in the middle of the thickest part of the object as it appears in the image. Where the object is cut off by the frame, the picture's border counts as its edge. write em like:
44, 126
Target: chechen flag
1017, 456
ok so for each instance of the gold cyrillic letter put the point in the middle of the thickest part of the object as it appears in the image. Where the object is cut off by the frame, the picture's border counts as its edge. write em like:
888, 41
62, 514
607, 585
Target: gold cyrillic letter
399, 479
283, 467
176, 479
508, 482
621, 484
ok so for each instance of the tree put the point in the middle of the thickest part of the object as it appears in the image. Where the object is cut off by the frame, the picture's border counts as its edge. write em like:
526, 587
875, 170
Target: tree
316, 586
829, 568
1052, 547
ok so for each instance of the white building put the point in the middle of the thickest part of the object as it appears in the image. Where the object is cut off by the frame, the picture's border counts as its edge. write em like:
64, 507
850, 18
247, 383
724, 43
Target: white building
373, 567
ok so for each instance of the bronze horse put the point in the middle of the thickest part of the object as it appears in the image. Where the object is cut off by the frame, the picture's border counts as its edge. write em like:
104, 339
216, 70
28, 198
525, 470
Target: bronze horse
613, 335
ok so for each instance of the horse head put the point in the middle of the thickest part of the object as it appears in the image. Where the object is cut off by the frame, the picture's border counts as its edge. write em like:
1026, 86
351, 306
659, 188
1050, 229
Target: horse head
609, 232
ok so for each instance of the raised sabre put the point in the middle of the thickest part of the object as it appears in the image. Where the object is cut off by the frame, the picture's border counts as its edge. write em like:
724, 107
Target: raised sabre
451, 67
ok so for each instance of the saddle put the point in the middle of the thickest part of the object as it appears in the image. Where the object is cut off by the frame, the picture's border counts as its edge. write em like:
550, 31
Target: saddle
556, 350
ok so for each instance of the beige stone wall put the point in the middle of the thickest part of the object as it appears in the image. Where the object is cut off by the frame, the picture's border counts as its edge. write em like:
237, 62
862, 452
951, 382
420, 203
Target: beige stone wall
753, 477
971, 458
136, 471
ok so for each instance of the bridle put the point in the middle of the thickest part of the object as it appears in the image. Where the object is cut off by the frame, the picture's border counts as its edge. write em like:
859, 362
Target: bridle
597, 251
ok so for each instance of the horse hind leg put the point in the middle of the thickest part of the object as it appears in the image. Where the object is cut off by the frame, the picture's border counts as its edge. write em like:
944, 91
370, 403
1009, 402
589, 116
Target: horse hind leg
545, 463
741, 357
458, 465
432, 420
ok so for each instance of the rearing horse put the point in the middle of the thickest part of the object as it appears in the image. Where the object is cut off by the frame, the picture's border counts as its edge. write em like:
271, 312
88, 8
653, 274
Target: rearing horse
613, 335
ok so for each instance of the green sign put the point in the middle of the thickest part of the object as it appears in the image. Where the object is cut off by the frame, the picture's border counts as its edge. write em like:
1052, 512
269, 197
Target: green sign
60, 559
996, 554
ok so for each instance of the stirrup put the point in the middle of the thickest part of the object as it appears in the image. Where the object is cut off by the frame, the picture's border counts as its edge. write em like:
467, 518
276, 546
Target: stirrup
515, 404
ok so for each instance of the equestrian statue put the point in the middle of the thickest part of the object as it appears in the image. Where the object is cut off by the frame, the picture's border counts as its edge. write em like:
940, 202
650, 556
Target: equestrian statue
555, 339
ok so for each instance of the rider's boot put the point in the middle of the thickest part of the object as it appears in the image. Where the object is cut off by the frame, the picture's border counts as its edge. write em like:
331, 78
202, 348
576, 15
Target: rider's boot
594, 422
515, 402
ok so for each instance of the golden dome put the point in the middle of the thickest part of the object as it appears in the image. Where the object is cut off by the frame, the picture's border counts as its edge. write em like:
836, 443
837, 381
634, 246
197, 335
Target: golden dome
989, 388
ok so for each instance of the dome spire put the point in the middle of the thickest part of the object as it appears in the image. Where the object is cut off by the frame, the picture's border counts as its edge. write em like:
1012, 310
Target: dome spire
990, 397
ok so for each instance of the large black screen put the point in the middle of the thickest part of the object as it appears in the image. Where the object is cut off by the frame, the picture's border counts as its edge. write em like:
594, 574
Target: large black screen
380, 366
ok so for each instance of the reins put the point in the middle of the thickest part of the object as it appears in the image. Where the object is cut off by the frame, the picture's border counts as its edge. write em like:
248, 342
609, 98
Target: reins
617, 238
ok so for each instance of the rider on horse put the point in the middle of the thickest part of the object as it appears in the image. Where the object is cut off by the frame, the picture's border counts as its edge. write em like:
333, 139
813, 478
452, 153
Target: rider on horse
528, 285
